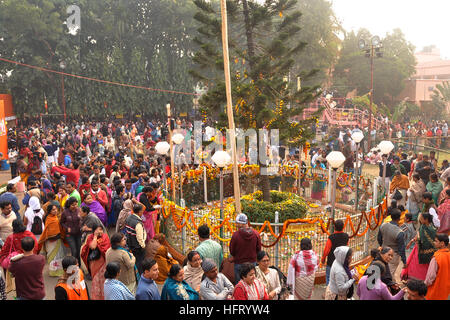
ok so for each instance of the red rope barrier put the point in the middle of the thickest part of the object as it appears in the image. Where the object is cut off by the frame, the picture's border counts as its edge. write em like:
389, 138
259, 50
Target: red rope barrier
96, 80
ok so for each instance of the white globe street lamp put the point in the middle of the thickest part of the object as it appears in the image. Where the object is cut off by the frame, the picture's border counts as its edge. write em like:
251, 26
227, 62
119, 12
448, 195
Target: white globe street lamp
357, 136
386, 147
162, 148
335, 159
178, 139
222, 159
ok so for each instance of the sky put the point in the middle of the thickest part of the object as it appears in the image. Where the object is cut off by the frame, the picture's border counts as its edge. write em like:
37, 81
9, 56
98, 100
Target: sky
423, 22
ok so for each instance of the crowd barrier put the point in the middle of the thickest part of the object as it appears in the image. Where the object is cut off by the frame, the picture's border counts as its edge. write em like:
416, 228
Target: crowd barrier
279, 240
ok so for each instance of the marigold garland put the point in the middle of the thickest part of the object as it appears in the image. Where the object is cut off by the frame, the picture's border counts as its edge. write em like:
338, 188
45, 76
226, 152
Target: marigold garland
178, 214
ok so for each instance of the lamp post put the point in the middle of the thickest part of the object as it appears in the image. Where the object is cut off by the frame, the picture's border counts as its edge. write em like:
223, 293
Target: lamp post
221, 159
357, 136
373, 49
178, 139
162, 148
62, 65
385, 147
335, 160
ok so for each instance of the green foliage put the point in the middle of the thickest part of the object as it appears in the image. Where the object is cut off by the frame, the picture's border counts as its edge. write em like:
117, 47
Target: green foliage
440, 103
406, 110
264, 45
353, 68
288, 205
138, 42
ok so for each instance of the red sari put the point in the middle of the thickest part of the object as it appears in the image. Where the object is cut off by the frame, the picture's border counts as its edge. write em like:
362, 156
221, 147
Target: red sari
96, 267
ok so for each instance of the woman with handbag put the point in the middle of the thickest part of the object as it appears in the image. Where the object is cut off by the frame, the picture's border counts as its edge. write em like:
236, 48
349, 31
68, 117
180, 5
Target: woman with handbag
93, 255
50, 242
13, 247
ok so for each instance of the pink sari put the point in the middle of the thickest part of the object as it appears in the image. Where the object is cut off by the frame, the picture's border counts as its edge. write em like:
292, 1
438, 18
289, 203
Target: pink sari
147, 218
413, 268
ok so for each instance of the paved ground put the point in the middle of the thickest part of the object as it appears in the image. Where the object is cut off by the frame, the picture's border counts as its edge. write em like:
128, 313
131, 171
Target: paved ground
50, 282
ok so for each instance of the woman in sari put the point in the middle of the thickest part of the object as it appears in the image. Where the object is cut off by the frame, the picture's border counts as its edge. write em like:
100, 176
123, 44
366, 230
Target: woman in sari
62, 196
302, 271
268, 276
50, 242
415, 194
249, 287
435, 187
176, 288
93, 254
193, 271
419, 259
96, 208
149, 213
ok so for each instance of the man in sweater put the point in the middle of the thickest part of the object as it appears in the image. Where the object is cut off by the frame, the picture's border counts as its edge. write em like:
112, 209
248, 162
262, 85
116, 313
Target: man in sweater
438, 274
208, 248
244, 245
136, 235
27, 269
337, 239
391, 235
147, 288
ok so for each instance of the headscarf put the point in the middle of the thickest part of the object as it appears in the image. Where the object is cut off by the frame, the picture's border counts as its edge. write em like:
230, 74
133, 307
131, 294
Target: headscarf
98, 209
124, 214
34, 209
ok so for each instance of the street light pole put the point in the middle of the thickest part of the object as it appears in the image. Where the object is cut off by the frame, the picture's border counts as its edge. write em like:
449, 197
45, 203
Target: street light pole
221, 202
371, 95
335, 160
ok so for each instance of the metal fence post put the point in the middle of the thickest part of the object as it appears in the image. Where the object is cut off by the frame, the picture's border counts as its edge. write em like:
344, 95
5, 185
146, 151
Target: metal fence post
183, 231
277, 245
375, 192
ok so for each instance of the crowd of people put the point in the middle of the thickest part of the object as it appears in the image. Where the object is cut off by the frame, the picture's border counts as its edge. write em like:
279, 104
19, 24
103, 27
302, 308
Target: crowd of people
91, 212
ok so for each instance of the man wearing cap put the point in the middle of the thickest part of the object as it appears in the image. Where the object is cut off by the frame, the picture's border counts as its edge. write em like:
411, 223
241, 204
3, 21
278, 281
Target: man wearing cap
215, 286
244, 245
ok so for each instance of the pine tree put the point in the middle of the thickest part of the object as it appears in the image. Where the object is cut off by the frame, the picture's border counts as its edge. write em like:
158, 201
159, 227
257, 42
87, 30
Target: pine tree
262, 50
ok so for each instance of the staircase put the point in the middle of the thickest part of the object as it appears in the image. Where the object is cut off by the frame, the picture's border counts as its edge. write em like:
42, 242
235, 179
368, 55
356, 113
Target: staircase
340, 116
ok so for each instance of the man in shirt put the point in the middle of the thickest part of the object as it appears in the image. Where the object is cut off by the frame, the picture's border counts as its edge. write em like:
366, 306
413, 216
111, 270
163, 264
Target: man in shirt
208, 248
98, 194
147, 288
9, 196
27, 269
391, 235
72, 172
337, 239
438, 274
6, 219
73, 192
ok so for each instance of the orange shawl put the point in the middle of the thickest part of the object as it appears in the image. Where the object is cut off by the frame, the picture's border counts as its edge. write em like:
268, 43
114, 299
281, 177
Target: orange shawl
399, 182
51, 229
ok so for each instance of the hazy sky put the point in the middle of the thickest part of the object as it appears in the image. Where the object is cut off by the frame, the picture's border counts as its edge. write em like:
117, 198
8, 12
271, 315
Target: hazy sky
424, 22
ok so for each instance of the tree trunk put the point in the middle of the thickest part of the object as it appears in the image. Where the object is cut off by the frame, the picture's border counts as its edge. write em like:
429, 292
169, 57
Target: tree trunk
264, 178
249, 34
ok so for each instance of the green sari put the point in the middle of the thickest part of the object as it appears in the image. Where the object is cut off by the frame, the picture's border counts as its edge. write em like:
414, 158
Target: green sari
435, 188
426, 247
